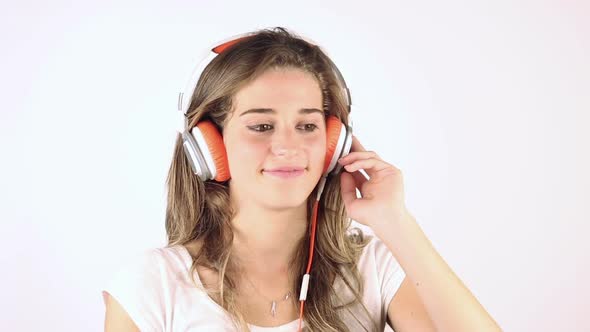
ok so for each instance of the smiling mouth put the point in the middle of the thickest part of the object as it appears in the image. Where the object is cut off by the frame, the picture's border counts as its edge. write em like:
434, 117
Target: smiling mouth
284, 174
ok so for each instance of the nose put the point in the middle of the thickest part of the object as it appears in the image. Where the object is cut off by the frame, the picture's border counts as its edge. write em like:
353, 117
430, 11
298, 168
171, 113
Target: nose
285, 143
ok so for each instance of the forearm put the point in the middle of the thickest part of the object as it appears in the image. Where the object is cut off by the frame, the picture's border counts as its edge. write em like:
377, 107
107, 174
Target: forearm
450, 305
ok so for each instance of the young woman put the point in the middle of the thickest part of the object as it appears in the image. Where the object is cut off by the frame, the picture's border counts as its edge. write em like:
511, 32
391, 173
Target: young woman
259, 211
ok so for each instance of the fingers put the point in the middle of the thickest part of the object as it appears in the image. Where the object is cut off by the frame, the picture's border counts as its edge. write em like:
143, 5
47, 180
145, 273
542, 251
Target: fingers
372, 165
360, 158
359, 179
358, 151
352, 156
348, 188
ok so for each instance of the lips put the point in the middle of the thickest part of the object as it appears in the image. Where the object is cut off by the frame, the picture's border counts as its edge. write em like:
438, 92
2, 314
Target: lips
285, 169
285, 172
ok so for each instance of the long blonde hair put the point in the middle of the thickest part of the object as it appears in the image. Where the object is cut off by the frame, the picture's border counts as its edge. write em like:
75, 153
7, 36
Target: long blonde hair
198, 210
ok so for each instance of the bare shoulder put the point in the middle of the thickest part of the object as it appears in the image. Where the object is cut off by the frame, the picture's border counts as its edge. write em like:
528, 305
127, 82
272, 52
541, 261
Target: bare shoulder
116, 318
209, 278
194, 246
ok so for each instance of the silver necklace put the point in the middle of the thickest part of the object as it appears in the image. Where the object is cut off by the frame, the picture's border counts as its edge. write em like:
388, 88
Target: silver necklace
273, 303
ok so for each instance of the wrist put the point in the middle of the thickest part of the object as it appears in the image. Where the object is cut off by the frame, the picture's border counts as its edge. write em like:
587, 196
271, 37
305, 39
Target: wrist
393, 221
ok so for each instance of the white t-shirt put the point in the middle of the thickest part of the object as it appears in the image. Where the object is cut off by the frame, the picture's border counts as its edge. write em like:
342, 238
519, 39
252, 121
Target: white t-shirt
155, 290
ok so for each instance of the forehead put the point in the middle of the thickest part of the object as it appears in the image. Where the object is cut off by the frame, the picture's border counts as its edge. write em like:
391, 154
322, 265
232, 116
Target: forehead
280, 89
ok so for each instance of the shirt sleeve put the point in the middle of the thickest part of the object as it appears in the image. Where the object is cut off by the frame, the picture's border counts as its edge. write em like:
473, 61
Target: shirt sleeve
137, 286
389, 271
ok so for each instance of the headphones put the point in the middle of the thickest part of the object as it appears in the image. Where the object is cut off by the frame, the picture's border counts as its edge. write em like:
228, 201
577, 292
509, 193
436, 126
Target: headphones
203, 144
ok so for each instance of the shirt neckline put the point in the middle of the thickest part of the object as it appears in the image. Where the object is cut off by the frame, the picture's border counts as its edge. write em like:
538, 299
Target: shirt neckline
188, 260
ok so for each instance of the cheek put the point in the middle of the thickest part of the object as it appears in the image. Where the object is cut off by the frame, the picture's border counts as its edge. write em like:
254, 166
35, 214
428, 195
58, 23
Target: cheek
317, 148
242, 150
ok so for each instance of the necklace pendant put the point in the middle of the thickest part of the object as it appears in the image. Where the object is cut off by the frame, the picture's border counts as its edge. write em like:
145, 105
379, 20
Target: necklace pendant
273, 308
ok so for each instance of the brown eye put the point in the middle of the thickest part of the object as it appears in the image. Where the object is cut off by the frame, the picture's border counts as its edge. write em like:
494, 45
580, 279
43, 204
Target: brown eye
310, 127
261, 127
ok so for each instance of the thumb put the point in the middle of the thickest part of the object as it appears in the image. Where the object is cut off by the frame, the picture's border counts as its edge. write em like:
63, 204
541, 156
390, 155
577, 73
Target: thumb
348, 188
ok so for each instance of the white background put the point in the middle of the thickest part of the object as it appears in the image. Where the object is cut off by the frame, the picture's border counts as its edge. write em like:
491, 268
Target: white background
483, 105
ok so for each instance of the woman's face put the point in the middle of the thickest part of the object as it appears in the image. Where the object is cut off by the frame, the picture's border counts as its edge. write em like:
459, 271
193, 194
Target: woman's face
277, 123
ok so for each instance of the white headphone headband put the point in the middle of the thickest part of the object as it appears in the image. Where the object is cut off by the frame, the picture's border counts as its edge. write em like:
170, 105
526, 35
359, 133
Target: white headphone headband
184, 97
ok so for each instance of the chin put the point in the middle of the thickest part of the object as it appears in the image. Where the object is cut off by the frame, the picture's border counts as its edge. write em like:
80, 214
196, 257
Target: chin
285, 198
278, 205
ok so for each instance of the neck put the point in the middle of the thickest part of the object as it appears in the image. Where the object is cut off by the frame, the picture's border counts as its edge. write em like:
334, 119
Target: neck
266, 240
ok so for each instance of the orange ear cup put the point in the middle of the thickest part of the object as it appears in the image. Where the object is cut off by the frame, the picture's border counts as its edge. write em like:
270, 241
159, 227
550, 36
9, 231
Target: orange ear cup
217, 149
333, 128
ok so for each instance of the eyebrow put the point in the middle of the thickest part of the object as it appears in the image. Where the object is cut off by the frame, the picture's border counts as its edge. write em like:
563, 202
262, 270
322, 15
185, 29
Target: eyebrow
272, 111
